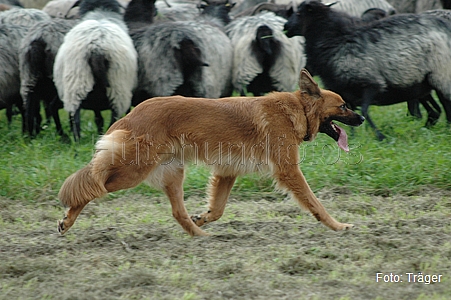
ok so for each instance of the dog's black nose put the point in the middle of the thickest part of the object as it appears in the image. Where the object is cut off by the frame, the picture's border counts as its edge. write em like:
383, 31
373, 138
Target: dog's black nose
362, 118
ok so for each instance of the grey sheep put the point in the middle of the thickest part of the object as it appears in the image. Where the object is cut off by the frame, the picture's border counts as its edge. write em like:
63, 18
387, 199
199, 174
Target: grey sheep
36, 59
189, 58
10, 37
264, 58
96, 66
14, 24
23, 16
392, 60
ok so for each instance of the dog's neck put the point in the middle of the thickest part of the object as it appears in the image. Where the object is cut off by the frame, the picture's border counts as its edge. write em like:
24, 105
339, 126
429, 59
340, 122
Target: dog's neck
308, 115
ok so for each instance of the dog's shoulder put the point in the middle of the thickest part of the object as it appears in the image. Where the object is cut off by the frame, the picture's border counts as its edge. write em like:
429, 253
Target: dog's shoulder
282, 114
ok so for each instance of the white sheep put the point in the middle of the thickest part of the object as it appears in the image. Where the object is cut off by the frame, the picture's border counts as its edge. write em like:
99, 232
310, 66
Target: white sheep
96, 66
265, 59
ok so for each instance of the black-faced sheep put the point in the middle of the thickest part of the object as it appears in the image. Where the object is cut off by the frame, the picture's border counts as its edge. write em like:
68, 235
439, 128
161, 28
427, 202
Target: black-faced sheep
395, 59
189, 58
264, 58
36, 59
96, 66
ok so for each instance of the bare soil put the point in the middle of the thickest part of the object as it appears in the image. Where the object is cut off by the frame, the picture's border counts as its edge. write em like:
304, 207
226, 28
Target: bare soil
130, 247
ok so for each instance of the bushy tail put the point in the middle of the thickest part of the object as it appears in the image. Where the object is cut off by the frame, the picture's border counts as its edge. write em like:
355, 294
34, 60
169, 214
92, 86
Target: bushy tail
99, 66
107, 171
80, 188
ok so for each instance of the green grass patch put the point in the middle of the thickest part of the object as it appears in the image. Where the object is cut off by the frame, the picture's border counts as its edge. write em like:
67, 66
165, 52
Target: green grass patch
411, 159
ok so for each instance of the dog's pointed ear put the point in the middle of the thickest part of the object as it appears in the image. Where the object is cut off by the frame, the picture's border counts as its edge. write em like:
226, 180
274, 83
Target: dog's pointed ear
308, 85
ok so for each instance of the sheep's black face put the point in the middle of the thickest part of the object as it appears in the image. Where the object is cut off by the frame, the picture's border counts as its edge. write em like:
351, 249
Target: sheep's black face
299, 22
291, 27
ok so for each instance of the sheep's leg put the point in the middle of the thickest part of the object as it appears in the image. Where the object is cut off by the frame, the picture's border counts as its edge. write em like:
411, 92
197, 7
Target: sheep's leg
414, 108
53, 110
48, 113
22, 113
220, 188
32, 115
243, 90
114, 116
433, 112
99, 121
75, 124
368, 96
446, 102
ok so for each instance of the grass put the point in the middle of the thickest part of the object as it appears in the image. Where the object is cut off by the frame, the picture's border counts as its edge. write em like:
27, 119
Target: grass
411, 159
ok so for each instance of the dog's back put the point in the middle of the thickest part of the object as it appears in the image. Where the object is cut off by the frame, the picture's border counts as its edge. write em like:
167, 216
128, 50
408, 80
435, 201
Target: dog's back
229, 134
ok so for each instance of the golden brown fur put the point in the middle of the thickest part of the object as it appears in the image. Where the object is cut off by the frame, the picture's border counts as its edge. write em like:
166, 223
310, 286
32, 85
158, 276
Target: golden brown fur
232, 136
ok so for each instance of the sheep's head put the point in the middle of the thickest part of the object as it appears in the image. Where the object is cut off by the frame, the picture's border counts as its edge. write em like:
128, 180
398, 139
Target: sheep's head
90, 5
217, 8
140, 11
306, 14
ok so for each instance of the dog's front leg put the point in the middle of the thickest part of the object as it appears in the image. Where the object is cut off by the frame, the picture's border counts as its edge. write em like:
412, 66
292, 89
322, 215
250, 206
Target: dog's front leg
173, 187
219, 191
292, 179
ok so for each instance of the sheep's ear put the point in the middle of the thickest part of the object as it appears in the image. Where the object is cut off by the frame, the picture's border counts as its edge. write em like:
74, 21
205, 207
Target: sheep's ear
202, 5
308, 86
76, 4
331, 3
230, 5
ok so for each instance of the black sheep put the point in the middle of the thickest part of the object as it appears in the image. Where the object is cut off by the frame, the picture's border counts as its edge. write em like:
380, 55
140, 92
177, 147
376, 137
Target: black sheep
392, 60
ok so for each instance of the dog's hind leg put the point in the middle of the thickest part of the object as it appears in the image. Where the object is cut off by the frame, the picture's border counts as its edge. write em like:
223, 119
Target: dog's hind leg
77, 191
69, 218
292, 179
219, 191
172, 185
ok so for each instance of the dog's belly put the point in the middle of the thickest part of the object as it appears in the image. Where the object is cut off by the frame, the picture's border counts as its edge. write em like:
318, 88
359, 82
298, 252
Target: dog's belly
223, 161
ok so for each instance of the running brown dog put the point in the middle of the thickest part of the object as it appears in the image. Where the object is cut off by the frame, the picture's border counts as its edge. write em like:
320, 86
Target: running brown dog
233, 136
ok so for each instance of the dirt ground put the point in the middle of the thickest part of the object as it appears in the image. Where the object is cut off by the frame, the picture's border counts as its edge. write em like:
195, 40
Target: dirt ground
130, 247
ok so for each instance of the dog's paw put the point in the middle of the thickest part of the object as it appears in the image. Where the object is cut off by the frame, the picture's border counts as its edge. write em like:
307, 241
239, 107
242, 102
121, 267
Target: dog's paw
61, 228
345, 226
198, 220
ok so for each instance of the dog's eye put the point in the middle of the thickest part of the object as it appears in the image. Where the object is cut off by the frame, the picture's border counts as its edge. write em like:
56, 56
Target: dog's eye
343, 107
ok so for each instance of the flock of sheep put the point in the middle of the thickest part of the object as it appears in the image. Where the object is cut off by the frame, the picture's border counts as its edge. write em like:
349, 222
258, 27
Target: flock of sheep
114, 57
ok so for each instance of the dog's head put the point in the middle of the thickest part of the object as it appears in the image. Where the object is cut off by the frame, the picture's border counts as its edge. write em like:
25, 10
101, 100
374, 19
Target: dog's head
325, 108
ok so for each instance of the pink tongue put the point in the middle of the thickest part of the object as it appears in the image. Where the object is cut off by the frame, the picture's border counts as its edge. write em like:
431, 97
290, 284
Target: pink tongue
342, 139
